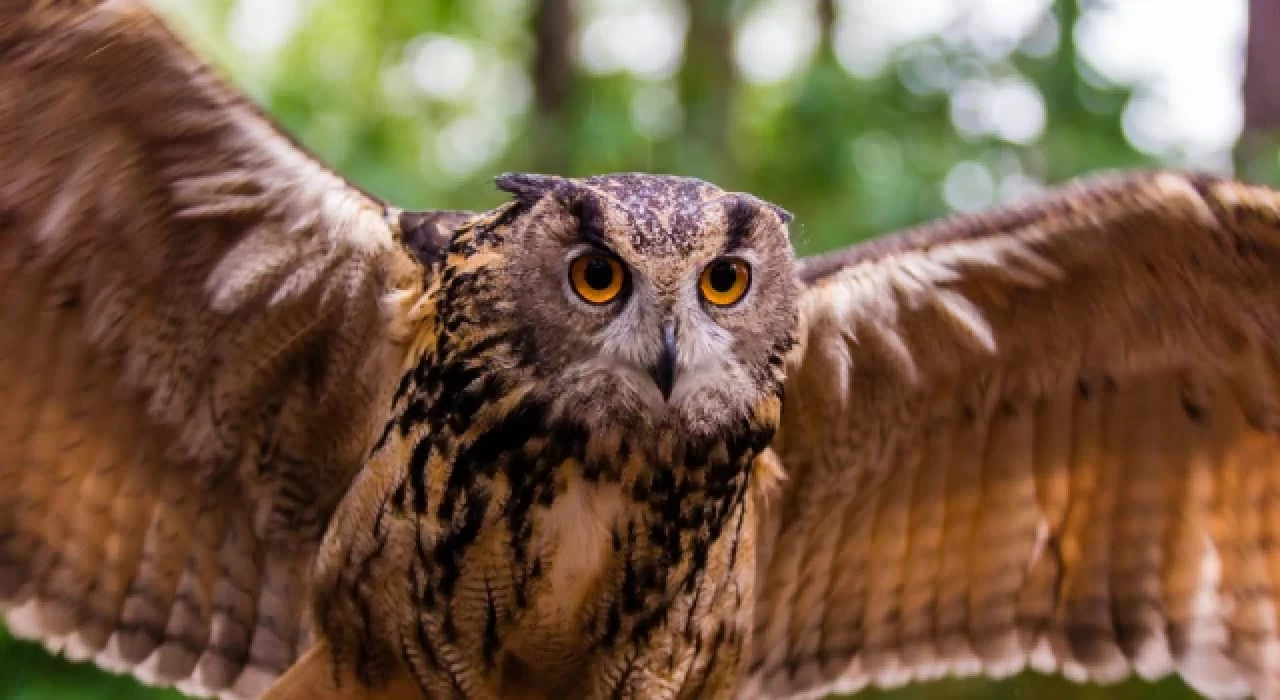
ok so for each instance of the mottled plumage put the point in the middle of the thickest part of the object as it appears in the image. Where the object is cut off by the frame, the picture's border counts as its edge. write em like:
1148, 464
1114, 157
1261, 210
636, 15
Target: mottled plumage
550, 519
264, 431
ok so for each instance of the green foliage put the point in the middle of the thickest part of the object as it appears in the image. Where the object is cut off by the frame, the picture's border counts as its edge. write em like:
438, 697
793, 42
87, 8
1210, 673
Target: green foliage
850, 156
28, 672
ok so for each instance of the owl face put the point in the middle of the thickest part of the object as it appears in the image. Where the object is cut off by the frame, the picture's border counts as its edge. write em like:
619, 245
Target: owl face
653, 300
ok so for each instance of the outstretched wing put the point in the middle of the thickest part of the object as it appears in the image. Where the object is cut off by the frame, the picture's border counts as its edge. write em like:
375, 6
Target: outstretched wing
1041, 437
196, 347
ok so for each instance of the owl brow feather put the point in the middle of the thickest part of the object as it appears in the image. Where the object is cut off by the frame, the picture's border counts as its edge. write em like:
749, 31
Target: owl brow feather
741, 216
585, 207
581, 203
742, 213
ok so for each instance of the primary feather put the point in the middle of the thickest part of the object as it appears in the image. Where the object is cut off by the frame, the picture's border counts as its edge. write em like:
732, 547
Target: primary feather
195, 357
1050, 442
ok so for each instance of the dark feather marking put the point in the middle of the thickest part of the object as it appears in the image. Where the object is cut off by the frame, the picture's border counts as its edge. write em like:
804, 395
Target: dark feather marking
740, 216
491, 640
612, 625
742, 516
693, 606
362, 602
452, 548
586, 209
418, 460
716, 642
428, 233
620, 688
426, 598
1193, 410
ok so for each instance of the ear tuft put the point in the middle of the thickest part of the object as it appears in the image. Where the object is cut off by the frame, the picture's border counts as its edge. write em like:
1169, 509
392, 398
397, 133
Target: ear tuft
786, 216
428, 233
744, 211
528, 187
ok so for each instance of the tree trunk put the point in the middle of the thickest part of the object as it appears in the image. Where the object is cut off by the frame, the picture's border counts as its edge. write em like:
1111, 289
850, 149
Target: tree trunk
827, 28
1262, 66
707, 80
553, 83
1256, 146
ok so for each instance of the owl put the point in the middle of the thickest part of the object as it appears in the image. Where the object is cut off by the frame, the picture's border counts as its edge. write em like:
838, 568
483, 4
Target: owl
265, 435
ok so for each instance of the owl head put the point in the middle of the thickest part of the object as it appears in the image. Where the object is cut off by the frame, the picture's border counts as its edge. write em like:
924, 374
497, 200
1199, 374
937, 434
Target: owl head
648, 301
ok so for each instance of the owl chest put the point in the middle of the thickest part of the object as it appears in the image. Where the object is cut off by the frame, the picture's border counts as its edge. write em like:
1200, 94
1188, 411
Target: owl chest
525, 609
576, 539
552, 600
574, 553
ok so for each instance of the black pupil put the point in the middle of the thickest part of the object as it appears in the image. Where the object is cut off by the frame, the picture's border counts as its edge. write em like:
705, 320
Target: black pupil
599, 273
723, 276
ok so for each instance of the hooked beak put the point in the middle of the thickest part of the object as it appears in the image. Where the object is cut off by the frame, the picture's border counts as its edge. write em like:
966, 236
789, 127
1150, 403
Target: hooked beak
664, 370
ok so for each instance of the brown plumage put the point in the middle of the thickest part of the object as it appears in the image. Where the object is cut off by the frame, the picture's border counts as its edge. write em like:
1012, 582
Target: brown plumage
258, 420
536, 516
1055, 448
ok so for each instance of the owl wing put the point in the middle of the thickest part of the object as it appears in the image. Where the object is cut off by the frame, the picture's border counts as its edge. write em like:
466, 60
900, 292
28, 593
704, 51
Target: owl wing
1042, 437
199, 335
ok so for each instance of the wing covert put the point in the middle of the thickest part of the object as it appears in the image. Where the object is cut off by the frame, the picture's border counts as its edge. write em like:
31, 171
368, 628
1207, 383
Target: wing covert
1043, 437
197, 351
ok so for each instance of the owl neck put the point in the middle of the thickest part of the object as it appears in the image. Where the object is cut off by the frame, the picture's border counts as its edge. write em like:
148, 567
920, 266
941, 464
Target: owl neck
488, 414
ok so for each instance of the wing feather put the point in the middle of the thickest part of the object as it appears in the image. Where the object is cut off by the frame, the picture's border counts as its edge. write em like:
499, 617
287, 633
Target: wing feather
200, 337
1041, 437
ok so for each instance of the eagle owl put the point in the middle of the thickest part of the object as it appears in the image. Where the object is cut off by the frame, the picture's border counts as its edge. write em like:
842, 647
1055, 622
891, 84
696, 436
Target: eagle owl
266, 434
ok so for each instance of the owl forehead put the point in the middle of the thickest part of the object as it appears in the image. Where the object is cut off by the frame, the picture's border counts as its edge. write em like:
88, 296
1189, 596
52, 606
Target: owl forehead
662, 215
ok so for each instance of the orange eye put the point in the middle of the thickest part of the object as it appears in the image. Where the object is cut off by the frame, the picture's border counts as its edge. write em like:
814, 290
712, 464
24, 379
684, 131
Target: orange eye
725, 281
597, 278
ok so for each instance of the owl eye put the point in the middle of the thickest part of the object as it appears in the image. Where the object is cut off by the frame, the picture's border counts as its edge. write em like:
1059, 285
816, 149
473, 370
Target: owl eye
725, 281
597, 278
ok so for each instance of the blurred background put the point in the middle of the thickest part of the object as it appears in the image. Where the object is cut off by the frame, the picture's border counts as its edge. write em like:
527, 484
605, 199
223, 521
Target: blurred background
860, 116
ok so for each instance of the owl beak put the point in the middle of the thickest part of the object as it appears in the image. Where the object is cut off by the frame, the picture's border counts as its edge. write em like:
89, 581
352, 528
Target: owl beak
664, 370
